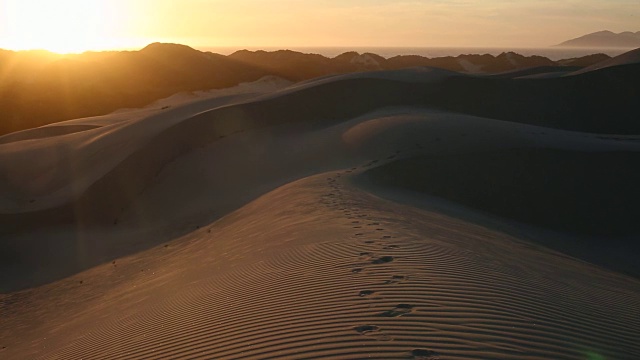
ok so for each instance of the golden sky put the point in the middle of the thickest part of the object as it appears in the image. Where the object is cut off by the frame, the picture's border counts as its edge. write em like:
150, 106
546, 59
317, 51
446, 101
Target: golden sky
80, 25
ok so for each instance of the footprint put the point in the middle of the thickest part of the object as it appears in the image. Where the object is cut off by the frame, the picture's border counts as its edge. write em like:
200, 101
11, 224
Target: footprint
386, 237
359, 234
399, 310
372, 331
357, 227
383, 260
396, 279
366, 256
365, 293
424, 354
380, 229
366, 329
369, 242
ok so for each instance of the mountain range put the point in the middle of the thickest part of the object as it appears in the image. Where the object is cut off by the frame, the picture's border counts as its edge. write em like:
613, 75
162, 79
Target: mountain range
39, 88
605, 39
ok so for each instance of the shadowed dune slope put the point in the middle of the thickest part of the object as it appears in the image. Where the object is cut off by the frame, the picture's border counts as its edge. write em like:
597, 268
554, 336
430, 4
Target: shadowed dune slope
593, 194
562, 70
590, 193
600, 101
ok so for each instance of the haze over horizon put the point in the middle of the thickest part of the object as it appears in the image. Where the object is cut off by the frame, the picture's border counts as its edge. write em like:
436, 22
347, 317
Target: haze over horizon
77, 26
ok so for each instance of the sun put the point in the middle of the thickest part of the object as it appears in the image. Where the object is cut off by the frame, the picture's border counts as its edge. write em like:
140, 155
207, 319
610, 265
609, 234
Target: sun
62, 26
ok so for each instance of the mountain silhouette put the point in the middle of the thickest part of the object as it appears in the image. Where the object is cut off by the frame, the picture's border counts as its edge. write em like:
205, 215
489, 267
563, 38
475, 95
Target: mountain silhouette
39, 88
605, 39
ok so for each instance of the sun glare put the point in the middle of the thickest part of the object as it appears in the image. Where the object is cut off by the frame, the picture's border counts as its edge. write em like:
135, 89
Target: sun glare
62, 26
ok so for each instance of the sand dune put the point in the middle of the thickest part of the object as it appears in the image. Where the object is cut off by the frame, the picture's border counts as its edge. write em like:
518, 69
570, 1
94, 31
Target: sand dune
44, 132
92, 154
540, 71
142, 147
318, 269
237, 226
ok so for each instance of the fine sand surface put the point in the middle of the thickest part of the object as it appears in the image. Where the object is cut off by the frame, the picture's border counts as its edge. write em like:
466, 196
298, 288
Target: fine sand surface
316, 221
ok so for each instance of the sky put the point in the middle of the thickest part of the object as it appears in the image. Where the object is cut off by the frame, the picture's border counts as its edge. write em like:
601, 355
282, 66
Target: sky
80, 25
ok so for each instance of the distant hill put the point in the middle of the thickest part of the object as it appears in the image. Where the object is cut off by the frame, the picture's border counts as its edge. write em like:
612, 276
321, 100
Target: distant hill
584, 61
605, 39
628, 58
40, 88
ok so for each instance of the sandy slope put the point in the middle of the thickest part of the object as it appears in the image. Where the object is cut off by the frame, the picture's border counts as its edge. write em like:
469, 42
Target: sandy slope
248, 239
319, 269
75, 153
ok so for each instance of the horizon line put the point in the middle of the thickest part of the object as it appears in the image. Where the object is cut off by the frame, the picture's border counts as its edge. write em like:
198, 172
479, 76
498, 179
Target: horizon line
205, 48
